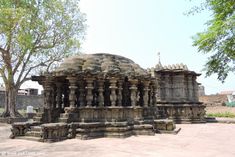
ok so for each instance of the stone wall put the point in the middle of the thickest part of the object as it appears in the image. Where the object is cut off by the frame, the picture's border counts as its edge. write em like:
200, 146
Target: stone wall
177, 86
213, 100
25, 100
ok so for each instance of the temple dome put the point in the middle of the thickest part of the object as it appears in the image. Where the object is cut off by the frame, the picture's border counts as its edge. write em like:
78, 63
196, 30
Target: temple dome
101, 64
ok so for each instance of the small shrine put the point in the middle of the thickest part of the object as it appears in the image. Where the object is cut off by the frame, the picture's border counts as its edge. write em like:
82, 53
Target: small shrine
177, 94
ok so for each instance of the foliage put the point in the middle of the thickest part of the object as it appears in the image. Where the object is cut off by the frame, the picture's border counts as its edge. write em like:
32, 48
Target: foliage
219, 37
35, 35
221, 114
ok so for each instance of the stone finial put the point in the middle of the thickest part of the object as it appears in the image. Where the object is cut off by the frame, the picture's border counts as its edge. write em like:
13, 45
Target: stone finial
185, 67
152, 72
169, 67
182, 66
159, 65
159, 58
177, 66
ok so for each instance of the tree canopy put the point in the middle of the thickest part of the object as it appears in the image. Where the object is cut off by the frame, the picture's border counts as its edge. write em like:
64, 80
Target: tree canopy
36, 34
219, 38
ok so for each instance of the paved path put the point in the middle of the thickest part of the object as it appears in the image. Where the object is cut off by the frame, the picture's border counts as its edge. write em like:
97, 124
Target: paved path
194, 140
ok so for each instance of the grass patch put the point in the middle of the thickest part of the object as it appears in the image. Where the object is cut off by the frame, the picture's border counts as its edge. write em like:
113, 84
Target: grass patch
221, 114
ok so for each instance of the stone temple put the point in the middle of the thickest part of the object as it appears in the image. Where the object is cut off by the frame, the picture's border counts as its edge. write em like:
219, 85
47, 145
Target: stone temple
105, 95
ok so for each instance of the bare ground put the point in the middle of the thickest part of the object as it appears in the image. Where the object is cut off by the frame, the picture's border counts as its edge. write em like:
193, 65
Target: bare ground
194, 140
220, 109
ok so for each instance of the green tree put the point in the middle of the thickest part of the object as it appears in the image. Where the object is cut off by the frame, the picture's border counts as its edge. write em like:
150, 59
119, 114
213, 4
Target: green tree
35, 35
218, 39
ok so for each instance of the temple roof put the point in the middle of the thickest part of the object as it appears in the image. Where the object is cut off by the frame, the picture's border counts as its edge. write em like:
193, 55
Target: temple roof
100, 64
172, 67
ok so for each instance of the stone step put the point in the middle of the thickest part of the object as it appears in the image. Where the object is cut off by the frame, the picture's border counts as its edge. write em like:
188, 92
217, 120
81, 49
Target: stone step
37, 119
175, 131
36, 128
63, 120
33, 133
63, 115
143, 126
30, 138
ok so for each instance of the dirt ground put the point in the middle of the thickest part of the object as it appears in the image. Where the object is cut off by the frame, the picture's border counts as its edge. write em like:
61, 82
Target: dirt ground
194, 140
220, 109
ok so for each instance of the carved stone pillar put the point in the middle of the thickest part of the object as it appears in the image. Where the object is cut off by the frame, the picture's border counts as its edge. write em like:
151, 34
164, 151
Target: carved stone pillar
89, 87
168, 95
190, 88
120, 84
48, 88
81, 89
162, 84
152, 93
183, 91
48, 104
186, 87
72, 91
146, 93
59, 95
195, 89
113, 87
101, 92
133, 89
179, 90
158, 89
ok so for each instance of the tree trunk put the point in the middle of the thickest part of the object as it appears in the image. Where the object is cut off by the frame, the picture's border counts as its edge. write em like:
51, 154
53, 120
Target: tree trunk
10, 103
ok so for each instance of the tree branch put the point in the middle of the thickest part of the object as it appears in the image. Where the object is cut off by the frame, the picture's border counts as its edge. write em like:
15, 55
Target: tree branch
21, 81
3, 74
2, 50
21, 57
20, 60
23, 67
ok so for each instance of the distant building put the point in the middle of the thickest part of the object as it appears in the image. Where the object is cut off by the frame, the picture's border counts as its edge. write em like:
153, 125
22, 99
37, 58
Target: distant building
230, 96
220, 99
32, 91
22, 92
201, 90
28, 91
229, 92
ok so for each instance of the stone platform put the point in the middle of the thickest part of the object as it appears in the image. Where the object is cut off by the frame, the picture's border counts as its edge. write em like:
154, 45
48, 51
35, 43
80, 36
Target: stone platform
108, 114
182, 112
52, 132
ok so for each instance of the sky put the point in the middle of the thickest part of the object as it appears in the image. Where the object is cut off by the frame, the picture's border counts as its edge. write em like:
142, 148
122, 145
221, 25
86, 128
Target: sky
139, 29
